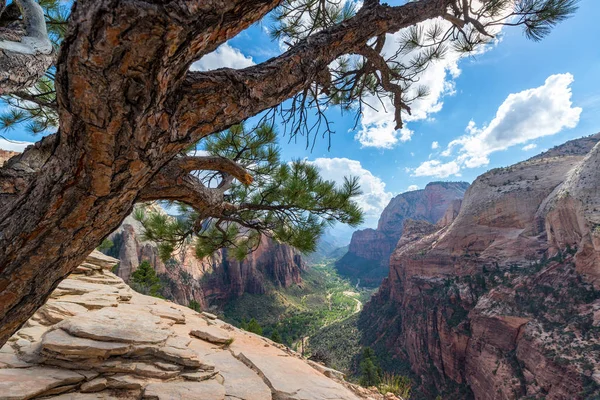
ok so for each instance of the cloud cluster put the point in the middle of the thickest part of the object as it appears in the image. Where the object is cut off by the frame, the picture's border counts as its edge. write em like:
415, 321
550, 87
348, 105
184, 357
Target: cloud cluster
374, 197
522, 117
377, 127
224, 56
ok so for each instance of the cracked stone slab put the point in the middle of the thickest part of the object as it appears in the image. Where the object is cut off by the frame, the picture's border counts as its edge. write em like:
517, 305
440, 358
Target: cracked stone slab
116, 325
26, 383
61, 343
206, 390
211, 334
240, 381
289, 377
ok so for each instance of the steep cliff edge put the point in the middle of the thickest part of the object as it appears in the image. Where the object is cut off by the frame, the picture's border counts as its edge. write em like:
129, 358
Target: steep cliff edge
501, 300
98, 339
369, 251
210, 281
5, 155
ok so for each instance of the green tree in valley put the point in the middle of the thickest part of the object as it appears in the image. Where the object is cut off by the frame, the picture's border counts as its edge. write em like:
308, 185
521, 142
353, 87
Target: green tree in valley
369, 368
122, 109
194, 305
276, 337
145, 281
254, 327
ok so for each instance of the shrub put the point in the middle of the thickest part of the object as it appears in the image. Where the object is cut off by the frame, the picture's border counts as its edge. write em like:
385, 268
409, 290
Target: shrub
145, 281
397, 384
194, 305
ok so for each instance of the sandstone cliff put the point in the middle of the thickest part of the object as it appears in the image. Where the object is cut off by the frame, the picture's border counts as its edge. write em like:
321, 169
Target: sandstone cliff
369, 251
5, 155
501, 300
210, 281
98, 339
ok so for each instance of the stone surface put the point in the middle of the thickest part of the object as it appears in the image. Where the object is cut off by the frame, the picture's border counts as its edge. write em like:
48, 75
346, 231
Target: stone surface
133, 346
212, 334
206, 390
25, 383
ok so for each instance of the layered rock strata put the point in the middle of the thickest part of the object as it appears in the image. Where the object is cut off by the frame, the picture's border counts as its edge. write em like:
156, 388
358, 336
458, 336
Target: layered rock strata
98, 339
370, 249
211, 281
501, 300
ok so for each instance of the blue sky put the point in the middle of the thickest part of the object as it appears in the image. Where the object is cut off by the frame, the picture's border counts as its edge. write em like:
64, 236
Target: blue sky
514, 92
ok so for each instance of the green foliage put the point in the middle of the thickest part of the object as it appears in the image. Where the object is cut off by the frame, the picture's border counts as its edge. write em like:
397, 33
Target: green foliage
35, 108
106, 245
369, 368
254, 327
194, 305
396, 384
145, 281
276, 337
289, 202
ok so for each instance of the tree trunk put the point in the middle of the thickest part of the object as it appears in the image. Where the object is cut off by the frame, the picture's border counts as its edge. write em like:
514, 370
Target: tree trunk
128, 106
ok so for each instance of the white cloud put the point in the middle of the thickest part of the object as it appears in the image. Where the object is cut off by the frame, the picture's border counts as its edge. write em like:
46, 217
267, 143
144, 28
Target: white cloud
437, 169
13, 145
374, 197
224, 56
529, 147
412, 187
522, 117
383, 136
435, 145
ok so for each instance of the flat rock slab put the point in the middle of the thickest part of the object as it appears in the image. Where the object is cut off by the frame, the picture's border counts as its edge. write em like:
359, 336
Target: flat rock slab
240, 381
56, 311
25, 383
212, 334
70, 347
288, 377
117, 325
206, 390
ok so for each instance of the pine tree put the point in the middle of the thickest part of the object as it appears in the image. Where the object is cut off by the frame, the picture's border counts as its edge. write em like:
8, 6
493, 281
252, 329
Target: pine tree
145, 281
254, 327
194, 305
276, 337
288, 202
370, 371
123, 108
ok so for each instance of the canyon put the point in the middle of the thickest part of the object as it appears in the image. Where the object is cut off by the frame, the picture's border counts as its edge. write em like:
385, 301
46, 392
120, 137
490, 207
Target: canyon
97, 339
211, 281
369, 251
500, 298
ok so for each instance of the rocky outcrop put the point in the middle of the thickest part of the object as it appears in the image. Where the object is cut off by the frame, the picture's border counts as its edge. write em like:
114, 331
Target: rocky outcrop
97, 339
210, 281
5, 155
369, 251
501, 300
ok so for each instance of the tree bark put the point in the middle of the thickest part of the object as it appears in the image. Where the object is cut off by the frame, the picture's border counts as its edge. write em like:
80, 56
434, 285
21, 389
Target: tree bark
128, 106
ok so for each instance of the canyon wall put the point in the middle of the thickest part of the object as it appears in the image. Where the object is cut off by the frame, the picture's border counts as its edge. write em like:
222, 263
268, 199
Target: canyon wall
501, 299
370, 249
5, 155
210, 281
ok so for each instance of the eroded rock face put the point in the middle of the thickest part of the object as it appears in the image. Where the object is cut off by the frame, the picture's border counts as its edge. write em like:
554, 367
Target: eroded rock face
5, 155
133, 346
370, 249
500, 300
212, 280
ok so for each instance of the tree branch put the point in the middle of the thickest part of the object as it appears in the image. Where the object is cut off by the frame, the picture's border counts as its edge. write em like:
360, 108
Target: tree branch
215, 163
230, 96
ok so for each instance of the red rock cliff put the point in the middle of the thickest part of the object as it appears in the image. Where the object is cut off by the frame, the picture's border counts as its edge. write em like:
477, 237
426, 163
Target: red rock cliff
210, 281
501, 300
370, 249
